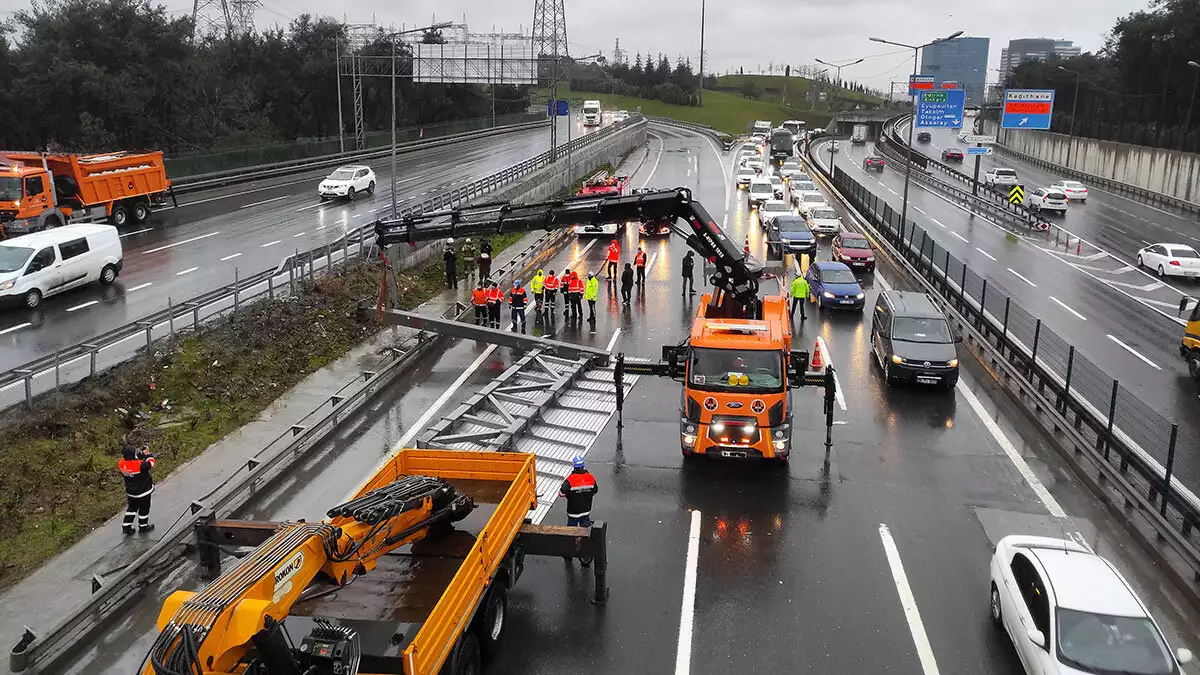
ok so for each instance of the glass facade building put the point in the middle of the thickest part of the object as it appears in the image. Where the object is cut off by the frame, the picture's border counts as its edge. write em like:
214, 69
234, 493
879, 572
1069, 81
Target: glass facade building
962, 60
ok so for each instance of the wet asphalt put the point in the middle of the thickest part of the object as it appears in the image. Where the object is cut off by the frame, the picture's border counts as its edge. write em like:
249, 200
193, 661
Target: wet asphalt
791, 571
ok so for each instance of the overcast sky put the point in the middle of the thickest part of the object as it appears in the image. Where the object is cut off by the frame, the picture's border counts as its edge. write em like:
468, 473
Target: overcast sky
746, 33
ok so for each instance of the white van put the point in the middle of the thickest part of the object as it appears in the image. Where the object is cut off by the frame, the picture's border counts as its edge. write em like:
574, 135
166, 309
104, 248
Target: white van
38, 265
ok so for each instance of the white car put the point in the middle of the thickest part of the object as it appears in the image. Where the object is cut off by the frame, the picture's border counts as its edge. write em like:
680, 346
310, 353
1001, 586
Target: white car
620, 116
41, 264
777, 183
1047, 199
824, 220
1170, 260
346, 181
790, 169
1075, 191
800, 184
835, 146
744, 176
760, 192
755, 164
810, 200
1068, 611
772, 209
1000, 177
606, 229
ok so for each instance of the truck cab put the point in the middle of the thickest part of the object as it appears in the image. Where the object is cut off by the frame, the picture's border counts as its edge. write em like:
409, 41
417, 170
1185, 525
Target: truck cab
592, 113
1189, 348
26, 194
737, 378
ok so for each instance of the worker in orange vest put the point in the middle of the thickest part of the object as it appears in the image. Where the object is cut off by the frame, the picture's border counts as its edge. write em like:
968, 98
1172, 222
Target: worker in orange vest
639, 261
495, 297
550, 286
564, 282
614, 257
576, 290
135, 466
517, 299
479, 298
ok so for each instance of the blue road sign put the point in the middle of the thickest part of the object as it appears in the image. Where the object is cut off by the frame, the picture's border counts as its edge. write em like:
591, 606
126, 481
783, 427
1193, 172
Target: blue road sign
562, 109
979, 151
1027, 109
941, 108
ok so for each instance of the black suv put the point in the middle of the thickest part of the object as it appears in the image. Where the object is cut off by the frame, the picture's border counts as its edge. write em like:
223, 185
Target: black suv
924, 137
912, 340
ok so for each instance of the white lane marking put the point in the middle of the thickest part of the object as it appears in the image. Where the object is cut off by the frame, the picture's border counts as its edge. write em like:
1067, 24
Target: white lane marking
650, 262
187, 271
661, 147
1133, 351
1062, 304
1043, 495
358, 215
837, 386
908, 603
230, 257
130, 234
270, 243
889, 189
321, 227
310, 206
1021, 277
959, 236
139, 287
612, 342
937, 222
299, 234
989, 255
687, 610
919, 210
181, 243
17, 327
265, 201
86, 304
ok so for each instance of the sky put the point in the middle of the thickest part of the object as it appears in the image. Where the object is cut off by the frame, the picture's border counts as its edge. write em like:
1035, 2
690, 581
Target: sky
748, 33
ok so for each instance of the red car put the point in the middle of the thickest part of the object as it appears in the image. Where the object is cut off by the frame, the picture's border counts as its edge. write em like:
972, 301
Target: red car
875, 163
952, 155
854, 251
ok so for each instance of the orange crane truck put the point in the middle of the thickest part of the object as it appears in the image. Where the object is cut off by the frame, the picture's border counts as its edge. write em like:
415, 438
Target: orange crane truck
410, 576
42, 190
737, 366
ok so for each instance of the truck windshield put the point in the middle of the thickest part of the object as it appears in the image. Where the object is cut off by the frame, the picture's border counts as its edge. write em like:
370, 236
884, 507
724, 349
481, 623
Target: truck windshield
10, 188
590, 110
13, 258
742, 371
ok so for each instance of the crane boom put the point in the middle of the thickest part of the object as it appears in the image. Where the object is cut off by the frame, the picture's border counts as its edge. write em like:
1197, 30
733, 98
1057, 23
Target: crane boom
737, 273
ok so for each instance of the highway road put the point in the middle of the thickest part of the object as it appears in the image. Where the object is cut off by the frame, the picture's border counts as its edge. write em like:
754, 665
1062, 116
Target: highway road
182, 252
1104, 315
796, 570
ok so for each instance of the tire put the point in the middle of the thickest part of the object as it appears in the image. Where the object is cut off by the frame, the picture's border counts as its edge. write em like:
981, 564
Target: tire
887, 373
1139, 262
1161, 272
491, 622
1193, 361
108, 275
466, 657
994, 607
140, 211
371, 188
120, 215
33, 298
350, 195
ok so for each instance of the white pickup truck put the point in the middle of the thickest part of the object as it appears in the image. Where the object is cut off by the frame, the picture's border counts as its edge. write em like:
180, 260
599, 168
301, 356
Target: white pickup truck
1000, 178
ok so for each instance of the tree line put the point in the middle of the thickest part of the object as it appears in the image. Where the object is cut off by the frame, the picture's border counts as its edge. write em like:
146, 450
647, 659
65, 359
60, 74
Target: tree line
98, 75
1139, 88
648, 77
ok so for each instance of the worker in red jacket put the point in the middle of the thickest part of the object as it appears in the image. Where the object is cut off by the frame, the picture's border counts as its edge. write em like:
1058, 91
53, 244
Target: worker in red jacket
135, 466
550, 286
639, 261
576, 291
495, 299
479, 298
614, 257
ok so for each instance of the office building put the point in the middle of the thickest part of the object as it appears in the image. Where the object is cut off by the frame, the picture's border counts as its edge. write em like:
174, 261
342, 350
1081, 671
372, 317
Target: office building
961, 60
1033, 49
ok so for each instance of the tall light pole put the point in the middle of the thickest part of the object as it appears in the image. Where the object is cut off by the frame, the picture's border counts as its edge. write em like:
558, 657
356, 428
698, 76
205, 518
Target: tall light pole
908, 149
1074, 102
1187, 125
839, 68
700, 89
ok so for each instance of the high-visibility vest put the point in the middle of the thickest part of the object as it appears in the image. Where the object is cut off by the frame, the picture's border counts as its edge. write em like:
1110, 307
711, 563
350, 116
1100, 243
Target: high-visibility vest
495, 295
537, 283
479, 297
800, 287
640, 259
614, 253
576, 285
517, 298
551, 283
592, 291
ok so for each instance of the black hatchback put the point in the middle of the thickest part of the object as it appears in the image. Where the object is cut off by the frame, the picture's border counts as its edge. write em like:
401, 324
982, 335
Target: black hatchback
912, 340
924, 137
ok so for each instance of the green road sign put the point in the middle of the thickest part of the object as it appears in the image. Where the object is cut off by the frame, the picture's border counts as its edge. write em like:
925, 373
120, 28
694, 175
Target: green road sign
935, 97
1016, 195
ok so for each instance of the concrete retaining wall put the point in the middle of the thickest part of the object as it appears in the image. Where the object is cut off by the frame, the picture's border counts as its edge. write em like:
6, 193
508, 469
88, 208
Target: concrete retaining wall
1167, 172
549, 181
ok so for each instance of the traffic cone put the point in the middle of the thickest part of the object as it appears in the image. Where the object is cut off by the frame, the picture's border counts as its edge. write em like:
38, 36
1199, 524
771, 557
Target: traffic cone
818, 362
746, 246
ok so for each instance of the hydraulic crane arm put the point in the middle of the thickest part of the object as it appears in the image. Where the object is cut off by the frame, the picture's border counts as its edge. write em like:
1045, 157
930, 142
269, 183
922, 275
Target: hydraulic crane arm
737, 273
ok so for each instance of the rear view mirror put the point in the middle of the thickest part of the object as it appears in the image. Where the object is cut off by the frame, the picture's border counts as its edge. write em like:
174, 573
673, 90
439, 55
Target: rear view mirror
958, 338
1036, 637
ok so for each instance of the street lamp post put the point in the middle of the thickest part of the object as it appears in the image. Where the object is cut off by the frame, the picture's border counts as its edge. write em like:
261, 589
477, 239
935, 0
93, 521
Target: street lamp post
838, 81
1074, 103
909, 146
1187, 125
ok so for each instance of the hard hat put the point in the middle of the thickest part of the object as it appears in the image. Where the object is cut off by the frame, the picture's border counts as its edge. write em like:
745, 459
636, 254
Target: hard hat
577, 462
467, 240
450, 240
591, 275
516, 283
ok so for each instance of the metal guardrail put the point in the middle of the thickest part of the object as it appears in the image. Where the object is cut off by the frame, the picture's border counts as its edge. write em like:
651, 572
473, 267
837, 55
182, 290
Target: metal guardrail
189, 184
67, 365
1104, 423
698, 128
1147, 196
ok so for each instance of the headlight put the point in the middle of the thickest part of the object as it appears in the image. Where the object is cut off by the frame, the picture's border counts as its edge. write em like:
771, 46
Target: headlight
953, 362
827, 294
897, 360
688, 440
8, 284
870, 257
718, 427
860, 296
748, 429
781, 445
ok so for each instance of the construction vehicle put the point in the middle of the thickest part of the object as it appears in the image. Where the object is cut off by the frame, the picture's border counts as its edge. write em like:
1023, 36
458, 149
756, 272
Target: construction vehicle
1189, 348
858, 135
411, 575
41, 190
737, 366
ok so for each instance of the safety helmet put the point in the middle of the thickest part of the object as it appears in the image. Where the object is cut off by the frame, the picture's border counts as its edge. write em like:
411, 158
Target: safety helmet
577, 462
516, 283
467, 240
450, 240
591, 275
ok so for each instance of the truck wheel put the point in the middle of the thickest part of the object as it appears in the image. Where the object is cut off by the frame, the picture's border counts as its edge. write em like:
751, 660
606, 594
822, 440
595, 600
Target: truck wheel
466, 657
141, 211
33, 298
120, 215
490, 623
52, 220
108, 275
1194, 364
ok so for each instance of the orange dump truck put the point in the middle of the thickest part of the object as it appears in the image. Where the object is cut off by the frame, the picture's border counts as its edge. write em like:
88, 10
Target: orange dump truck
40, 190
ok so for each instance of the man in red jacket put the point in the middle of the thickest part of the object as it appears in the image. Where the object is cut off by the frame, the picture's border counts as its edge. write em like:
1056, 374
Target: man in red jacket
614, 257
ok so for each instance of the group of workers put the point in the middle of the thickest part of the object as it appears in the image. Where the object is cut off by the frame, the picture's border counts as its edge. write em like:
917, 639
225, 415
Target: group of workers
471, 259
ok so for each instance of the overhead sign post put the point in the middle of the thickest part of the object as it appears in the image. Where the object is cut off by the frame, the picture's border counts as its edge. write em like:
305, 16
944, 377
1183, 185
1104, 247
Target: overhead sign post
941, 108
1027, 109
919, 83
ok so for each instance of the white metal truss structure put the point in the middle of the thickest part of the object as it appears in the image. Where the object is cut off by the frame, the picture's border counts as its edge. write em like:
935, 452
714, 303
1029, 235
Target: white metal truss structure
230, 18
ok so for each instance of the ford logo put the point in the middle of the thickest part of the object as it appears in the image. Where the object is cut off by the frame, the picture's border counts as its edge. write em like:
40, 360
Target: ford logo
733, 404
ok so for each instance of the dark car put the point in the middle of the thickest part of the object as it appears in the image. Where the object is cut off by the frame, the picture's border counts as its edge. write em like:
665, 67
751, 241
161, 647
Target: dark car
791, 234
834, 285
912, 340
952, 155
854, 250
924, 137
873, 162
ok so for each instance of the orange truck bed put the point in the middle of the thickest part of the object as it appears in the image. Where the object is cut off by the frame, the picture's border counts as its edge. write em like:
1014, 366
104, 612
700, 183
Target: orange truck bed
104, 178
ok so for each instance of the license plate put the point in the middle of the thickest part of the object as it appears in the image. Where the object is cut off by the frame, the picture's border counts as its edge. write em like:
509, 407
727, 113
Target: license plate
858, 264
734, 454
928, 379
846, 302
